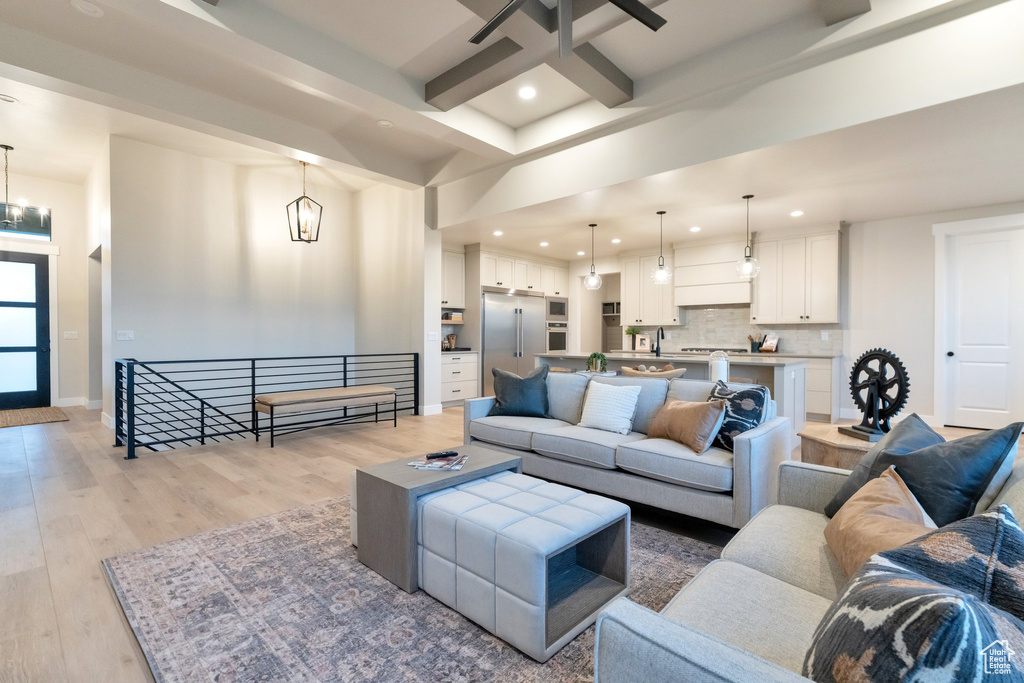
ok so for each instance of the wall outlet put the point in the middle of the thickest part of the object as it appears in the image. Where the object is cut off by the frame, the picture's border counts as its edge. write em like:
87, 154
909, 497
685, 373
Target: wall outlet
431, 336
71, 335
824, 335
126, 335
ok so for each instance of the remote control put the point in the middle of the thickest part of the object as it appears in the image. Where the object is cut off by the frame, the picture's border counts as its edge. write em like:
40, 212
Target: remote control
441, 454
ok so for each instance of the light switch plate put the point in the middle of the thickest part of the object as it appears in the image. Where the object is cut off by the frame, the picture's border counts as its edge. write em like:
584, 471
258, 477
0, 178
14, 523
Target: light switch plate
432, 336
824, 335
71, 335
126, 335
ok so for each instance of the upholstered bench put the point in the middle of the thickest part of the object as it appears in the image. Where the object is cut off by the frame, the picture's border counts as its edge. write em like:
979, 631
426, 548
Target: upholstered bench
317, 401
530, 561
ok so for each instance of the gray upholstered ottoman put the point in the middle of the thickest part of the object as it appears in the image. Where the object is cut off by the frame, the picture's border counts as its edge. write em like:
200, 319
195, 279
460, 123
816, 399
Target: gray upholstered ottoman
530, 561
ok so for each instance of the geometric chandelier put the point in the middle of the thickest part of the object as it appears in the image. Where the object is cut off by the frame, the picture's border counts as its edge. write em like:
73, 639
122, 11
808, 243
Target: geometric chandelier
304, 215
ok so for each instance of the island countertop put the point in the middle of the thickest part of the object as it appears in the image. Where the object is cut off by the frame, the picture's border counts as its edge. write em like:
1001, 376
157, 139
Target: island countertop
756, 360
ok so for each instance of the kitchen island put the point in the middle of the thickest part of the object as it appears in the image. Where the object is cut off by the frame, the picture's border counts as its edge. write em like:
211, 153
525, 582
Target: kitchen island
785, 377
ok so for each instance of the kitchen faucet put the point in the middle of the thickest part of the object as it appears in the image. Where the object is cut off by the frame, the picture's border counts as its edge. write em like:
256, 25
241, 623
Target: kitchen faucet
657, 341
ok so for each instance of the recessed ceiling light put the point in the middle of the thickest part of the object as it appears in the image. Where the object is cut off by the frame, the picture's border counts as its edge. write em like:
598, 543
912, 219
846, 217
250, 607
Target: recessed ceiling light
581, 253
7, 98
498, 233
616, 240
87, 8
543, 244
695, 228
796, 214
384, 123
527, 92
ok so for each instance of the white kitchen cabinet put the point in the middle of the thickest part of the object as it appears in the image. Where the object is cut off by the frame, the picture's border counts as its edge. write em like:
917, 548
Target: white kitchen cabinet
528, 275
798, 282
764, 307
644, 302
460, 373
496, 270
705, 275
554, 281
453, 279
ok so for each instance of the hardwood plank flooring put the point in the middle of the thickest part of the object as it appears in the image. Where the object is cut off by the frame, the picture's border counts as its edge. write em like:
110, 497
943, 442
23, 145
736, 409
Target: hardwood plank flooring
68, 499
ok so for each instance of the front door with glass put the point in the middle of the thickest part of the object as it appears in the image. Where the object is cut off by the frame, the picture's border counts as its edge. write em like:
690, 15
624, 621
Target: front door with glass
24, 331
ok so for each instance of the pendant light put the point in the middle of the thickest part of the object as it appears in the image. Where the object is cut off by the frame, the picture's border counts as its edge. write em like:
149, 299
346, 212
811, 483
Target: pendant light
748, 267
662, 275
304, 215
592, 281
12, 216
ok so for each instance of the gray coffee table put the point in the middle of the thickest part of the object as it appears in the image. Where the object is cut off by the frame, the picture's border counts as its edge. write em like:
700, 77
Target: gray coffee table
386, 499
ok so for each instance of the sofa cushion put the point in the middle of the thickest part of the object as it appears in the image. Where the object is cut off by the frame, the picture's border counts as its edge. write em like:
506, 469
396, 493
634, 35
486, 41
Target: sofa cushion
788, 543
610, 408
744, 410
592, 447
675, 463
520, 396
565, 395
700, 390
509, 431
753, 611
691, 423
652, 396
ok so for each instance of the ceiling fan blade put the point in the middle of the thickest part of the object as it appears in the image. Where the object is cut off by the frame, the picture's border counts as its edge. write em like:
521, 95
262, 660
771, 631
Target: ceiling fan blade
564, 28
641, 13
498, 19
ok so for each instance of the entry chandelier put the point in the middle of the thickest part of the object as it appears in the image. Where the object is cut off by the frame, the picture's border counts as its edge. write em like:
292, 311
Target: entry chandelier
11, 216
592, 281
304, 215
662, 275
748, 267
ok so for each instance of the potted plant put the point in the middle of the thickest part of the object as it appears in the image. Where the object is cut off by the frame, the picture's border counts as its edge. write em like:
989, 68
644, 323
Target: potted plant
597, 363
633, 331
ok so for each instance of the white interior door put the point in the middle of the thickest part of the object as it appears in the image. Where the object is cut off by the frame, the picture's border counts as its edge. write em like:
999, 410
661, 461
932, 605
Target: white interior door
985, 333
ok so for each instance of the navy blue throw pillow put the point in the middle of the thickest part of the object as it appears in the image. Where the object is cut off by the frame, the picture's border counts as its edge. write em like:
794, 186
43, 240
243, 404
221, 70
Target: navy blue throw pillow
744, 410
517, 396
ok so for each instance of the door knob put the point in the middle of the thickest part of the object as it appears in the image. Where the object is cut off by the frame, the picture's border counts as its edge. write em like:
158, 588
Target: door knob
950, 354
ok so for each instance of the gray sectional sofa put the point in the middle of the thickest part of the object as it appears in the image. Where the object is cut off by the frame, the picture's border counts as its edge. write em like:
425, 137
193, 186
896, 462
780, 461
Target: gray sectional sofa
723, 487
751, 615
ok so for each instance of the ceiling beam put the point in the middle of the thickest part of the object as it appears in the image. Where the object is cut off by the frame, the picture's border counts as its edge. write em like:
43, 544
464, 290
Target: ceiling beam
531, 30
835, 11
212, 2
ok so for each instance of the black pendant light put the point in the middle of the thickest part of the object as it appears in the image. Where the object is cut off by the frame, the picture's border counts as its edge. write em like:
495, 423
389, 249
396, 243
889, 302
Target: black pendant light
304, 215
748, 267
661, 275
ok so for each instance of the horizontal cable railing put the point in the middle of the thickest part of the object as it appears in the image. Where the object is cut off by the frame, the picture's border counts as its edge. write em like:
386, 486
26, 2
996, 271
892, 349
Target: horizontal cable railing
166, 404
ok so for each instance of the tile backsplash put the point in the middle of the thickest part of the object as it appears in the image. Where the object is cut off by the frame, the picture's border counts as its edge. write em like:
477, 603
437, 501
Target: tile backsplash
728, 326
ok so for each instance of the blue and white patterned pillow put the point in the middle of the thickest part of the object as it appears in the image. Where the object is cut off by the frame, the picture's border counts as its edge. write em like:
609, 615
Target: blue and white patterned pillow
944, 607
744, 410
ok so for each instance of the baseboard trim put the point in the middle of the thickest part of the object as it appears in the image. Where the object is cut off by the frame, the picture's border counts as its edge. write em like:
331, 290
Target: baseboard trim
73, 402
431, 410
107, 420
94, 405
854, 414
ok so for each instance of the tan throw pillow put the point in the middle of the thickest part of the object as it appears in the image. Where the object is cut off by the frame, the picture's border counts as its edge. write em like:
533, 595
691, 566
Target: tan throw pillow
691, 424
882, 515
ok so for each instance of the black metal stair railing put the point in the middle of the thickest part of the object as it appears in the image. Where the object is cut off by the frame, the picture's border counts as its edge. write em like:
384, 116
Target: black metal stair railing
160, 405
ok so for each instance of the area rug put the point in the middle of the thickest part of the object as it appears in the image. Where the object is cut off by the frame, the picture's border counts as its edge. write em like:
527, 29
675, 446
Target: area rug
31, 416
283, 598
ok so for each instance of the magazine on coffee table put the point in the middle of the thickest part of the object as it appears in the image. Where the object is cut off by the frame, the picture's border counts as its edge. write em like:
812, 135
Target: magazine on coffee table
451, 464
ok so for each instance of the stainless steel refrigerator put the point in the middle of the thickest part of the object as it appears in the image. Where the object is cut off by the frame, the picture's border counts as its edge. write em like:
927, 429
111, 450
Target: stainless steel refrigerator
514, 331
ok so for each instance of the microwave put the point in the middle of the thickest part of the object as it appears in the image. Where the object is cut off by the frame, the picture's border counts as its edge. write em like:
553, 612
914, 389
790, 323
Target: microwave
557, 309
558, 337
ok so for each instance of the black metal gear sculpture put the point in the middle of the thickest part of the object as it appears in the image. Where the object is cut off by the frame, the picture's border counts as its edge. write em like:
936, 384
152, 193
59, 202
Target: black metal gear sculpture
880, 386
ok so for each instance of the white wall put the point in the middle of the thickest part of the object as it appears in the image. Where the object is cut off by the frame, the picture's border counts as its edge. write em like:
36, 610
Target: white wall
892, 302
66, 202
202, 263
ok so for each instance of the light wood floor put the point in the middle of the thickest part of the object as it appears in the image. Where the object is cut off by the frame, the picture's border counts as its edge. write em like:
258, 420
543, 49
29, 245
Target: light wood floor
68, 500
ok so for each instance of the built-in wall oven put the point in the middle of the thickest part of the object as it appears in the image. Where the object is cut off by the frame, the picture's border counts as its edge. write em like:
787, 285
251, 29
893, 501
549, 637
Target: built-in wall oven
558, 337
557, 309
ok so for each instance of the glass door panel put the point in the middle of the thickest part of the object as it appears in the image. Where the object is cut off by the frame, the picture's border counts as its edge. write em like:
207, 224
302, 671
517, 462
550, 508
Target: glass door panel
24, 331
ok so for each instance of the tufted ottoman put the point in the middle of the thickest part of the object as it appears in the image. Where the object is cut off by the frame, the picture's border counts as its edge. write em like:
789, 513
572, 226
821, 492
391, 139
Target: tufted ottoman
530, 561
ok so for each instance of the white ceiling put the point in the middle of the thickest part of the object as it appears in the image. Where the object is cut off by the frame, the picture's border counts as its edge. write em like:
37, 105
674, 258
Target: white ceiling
59, 137
956, 155
554, 94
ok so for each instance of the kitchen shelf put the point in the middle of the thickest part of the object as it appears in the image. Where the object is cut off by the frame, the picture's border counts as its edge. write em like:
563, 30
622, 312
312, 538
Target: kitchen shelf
453, 322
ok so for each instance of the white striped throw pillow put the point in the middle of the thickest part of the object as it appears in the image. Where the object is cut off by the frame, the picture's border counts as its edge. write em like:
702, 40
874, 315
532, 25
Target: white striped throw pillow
609, 407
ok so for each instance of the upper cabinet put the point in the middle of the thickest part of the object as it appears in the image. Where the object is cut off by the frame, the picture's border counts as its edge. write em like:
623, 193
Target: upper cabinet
554, 281
705, 275
528, 276
497, 270
644, 302
798, 282
453, 279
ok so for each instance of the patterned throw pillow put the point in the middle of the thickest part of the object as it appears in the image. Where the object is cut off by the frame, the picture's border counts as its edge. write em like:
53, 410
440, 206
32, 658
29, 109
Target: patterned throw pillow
744, 410
945, 607
609, 407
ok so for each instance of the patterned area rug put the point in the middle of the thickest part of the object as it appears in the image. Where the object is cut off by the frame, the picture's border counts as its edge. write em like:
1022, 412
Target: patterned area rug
31, 416
283, 598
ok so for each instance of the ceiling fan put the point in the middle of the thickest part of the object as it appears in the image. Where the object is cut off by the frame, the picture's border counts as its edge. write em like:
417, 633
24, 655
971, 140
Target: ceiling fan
633, 8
